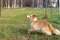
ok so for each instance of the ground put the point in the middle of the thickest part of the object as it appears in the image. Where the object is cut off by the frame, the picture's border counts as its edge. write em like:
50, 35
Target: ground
14, 24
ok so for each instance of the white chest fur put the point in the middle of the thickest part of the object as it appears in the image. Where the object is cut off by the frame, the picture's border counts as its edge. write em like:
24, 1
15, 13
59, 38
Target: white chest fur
35, 19
31, 25
34, 26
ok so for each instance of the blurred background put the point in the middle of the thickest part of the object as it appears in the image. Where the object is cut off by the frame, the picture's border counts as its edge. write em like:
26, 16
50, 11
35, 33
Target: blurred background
29, 3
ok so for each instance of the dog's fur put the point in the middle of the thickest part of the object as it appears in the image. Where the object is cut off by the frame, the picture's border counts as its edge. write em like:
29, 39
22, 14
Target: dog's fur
43, 26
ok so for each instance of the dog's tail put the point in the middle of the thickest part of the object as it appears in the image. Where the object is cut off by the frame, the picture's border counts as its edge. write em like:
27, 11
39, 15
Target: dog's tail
54, 31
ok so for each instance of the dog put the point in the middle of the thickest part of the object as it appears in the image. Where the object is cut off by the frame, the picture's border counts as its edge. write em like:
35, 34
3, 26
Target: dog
43, 26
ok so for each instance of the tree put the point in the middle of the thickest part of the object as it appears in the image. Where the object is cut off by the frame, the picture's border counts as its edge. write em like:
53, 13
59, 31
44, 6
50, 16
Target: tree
38, 3
8, 3
46, 13
15, 3
1, 3
21, 3
32, 3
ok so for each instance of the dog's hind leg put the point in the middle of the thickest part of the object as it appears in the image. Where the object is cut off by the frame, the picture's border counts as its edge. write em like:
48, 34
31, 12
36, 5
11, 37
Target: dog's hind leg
46, 31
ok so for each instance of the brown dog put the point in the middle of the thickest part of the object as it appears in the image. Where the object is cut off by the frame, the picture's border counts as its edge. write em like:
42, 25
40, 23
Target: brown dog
43, 26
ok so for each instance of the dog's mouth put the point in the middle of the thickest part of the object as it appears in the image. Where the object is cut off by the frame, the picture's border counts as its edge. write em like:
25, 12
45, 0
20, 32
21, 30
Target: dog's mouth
28, 17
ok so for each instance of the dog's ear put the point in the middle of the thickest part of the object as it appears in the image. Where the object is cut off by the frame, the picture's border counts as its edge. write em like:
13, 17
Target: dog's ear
34, 15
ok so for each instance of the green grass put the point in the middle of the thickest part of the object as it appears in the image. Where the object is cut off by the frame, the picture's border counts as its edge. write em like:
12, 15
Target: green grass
14, 24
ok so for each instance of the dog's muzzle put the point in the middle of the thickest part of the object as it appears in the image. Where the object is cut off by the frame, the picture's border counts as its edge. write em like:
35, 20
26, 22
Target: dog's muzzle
28, 17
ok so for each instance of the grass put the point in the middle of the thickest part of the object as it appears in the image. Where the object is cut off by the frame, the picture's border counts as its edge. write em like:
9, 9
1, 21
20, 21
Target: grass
14, 24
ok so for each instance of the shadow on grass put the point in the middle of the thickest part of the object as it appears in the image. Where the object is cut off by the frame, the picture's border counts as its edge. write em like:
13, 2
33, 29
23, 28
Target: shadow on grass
25, 31
22, 33
38, 35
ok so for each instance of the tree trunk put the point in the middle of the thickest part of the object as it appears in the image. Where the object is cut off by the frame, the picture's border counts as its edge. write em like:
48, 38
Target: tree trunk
14, 3
1, 3
17, 3
41, 3
8, 3
46, 13
37, 3
32, 3
21, 3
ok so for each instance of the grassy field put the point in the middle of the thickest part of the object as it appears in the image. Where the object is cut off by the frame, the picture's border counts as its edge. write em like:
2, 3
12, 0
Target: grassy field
14, 24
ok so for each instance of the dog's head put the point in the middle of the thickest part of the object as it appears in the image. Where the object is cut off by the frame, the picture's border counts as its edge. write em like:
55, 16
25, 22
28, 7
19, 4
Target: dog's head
31, 17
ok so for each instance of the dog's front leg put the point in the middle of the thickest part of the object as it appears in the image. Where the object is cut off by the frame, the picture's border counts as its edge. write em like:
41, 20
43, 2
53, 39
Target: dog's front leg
29, 33
30, 30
